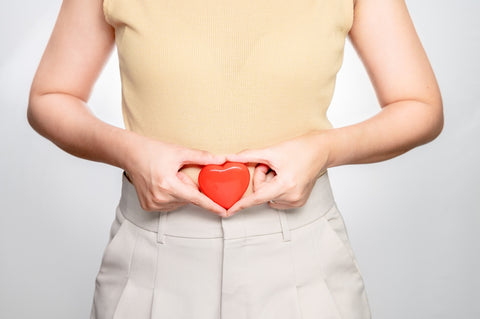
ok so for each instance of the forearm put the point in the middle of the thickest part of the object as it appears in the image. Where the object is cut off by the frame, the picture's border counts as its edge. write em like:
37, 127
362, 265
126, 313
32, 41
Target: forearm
67, 122
396, 129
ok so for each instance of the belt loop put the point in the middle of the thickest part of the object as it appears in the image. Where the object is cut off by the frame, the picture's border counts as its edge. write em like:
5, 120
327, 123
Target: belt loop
162, 223
284, 224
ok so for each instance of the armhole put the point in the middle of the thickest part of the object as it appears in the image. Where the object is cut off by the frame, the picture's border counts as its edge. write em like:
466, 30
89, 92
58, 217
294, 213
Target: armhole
350, 14
106, 11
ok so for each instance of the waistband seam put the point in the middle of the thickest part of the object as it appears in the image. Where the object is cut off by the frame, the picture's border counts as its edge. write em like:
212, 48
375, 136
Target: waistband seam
252, 235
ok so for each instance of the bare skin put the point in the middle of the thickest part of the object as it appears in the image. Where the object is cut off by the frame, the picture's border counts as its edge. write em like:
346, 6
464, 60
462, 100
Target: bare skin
383, 36
385, 39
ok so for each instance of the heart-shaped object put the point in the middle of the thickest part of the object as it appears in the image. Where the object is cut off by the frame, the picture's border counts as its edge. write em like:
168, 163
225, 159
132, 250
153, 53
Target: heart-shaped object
224, 184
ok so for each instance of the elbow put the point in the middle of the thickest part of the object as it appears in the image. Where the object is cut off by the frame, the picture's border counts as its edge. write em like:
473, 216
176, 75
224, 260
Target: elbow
32, 117
434, 119
34, 114
439, 124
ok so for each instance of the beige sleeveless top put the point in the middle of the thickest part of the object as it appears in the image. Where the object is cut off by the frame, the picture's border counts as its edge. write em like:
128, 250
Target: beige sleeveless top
227, 75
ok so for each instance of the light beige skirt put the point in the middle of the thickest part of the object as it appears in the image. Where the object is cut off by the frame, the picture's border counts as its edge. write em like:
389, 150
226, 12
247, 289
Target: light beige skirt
261, 263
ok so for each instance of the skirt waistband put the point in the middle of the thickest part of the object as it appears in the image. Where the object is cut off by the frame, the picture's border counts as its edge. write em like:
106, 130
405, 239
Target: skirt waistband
193, 221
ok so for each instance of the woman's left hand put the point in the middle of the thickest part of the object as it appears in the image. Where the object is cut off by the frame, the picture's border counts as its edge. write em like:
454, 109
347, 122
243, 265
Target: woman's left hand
295, 165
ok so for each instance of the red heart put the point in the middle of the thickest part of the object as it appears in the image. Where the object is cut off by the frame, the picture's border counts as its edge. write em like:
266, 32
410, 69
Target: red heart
224, 184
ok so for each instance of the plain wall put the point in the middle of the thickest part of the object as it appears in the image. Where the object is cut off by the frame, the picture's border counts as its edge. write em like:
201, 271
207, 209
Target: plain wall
413, 220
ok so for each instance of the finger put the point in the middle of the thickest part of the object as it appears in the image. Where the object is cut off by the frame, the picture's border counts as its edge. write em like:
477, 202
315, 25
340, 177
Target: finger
186, 179
193, 156
172, 203
270, 176
188, 182
193, 195
251, 156
165, 199
259, 175
262, 167
261, 195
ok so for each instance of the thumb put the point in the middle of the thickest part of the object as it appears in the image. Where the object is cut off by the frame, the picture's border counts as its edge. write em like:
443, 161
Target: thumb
251, 156
186, 179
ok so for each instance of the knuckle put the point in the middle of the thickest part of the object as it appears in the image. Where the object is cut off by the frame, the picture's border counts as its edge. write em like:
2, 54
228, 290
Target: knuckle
288, 184
195, 201
254, 200
206, 154
295, 197
299, 203
191, 153
182, 153
143, 205
269, 153
164, 184
303, 201
241, 207
257, 201
147, 207
159, 198
201, 153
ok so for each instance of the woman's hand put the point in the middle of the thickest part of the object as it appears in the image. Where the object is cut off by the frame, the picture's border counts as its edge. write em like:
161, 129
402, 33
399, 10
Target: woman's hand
154, 169
295, 166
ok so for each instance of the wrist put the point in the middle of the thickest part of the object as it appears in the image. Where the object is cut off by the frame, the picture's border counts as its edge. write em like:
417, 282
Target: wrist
324, 147
128, 149
331, 146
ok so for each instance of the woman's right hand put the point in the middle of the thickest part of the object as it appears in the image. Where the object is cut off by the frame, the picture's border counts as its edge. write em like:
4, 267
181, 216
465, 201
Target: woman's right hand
153, 166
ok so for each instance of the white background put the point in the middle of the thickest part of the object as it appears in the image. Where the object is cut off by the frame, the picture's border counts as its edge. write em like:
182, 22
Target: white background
413, 221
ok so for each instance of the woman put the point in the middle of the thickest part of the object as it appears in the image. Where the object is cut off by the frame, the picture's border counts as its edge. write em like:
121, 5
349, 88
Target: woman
209, 82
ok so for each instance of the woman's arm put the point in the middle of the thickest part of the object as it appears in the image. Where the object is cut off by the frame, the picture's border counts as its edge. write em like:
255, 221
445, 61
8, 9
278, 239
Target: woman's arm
78, 48
412, 112
76, 52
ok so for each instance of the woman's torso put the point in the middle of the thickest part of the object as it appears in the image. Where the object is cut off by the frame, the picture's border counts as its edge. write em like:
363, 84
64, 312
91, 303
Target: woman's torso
224, 76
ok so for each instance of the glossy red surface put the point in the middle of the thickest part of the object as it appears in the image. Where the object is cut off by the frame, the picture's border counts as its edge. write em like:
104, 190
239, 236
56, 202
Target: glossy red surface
224, 184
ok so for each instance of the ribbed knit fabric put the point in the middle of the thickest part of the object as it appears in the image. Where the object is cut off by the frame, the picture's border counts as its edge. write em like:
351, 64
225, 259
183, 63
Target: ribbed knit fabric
227, 75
